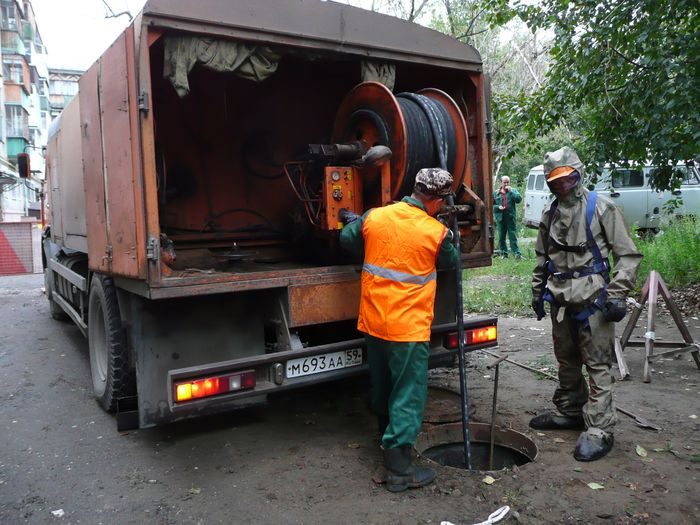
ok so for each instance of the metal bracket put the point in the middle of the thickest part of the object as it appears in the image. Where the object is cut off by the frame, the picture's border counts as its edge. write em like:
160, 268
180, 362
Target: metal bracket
153, 249
143, 101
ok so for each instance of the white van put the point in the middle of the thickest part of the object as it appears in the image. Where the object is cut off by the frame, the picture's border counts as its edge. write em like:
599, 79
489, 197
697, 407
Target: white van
643, 208
537, 197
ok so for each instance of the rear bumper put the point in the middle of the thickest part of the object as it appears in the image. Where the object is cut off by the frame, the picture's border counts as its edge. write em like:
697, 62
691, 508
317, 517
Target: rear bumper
271, 377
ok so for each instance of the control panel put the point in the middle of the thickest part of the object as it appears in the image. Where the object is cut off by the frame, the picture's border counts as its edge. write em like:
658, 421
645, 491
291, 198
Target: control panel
342, 189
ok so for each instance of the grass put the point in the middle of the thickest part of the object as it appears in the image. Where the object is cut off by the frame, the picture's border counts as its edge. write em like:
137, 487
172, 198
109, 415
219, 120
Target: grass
504, 288
674, 253
545, 363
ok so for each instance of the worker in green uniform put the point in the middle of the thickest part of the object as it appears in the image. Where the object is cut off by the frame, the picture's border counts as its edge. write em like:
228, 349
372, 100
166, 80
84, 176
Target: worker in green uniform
402, 245
504, 200
577, 234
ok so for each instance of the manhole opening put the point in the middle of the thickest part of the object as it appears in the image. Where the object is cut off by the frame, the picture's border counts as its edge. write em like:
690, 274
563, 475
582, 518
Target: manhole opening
443, 444
452, 455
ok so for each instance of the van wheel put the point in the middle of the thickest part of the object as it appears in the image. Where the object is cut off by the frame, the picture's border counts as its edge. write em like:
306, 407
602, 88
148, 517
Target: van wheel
112, 377
647, 234
56, 311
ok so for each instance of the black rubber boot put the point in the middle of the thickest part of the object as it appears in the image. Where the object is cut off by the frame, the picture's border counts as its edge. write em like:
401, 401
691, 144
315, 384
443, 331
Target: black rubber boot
382, 423
590, 447
550, 421
402, 474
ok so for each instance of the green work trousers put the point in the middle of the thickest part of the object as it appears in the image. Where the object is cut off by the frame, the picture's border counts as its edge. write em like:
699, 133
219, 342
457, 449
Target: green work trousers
505, 226
576, 346
399, 387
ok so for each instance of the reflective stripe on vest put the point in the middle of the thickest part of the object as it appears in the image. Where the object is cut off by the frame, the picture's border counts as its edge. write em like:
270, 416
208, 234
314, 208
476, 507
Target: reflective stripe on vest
399, 277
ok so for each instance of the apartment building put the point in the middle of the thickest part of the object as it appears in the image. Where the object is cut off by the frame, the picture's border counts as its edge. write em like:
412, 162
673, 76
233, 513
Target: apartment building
24, 110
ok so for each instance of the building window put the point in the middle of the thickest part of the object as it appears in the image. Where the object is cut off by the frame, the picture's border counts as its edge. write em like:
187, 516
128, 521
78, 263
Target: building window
17, 121
9, 18
63, 87
13, 72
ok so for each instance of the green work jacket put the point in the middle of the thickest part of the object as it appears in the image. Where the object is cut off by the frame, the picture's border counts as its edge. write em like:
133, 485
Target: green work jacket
513, 197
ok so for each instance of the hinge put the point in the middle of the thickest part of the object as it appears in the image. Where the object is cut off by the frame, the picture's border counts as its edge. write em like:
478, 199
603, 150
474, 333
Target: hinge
143, 101
108, 253
152, 249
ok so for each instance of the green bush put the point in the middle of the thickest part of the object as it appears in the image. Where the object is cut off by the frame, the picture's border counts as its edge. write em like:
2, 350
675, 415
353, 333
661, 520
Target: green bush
674, 252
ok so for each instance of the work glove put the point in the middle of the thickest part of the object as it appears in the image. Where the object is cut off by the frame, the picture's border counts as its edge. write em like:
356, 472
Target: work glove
347, 217
538, 308
614, 310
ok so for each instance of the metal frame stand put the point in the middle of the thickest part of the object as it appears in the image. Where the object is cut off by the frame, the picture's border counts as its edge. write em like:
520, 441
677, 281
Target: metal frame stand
653, 287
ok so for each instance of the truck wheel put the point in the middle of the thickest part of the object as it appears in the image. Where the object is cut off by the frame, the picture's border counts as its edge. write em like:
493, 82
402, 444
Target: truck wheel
56, 311
112, 377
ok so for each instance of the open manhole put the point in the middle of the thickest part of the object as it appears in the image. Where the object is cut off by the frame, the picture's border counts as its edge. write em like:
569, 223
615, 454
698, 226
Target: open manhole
444, 445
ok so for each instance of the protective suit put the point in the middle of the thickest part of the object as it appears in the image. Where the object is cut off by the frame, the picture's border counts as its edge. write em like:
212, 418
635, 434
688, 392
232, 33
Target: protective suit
504, 200
583, 304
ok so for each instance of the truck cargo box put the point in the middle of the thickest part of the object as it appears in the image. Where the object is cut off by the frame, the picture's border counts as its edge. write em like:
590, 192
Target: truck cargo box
199, 174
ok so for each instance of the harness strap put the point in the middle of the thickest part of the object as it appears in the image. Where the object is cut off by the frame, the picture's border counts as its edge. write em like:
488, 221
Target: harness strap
600, 266
579, 248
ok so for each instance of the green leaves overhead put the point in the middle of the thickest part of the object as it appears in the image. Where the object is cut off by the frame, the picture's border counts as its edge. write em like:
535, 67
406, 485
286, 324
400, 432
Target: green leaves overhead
623, 74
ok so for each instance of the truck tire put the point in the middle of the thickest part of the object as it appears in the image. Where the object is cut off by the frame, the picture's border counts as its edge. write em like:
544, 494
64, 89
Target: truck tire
112, 376
57, 312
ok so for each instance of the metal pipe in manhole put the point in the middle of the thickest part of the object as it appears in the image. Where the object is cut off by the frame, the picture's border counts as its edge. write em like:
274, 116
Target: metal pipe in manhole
443, 444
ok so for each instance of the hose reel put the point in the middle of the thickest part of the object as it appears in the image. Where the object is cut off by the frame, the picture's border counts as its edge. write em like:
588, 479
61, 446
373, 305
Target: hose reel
424, 129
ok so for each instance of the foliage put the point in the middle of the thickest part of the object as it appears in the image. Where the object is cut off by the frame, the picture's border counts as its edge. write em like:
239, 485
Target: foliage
674, 252
623, 75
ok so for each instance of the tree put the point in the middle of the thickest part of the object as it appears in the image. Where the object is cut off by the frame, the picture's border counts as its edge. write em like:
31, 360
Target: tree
624, 75
515, 60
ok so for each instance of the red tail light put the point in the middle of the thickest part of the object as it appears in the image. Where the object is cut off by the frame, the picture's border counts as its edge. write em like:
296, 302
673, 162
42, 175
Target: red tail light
213, 386
473, 336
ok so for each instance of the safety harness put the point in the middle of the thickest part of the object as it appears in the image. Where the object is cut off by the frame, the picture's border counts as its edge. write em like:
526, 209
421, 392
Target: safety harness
600, 266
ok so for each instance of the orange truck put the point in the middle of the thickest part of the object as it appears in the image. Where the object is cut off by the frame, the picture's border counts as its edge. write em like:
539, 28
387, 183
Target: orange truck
195, 184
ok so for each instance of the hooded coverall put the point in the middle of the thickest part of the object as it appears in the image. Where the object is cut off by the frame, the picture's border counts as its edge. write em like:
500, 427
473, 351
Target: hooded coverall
575, 343
398, 367
505, 220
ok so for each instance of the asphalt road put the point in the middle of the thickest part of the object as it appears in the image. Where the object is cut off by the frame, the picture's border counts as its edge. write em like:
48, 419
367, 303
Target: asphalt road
63, 461
309, 457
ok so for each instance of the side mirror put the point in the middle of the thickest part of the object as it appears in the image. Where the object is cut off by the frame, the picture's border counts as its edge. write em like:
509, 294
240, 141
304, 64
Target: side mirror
23, 167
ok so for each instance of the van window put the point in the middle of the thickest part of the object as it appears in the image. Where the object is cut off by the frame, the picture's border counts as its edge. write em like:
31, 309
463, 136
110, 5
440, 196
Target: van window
627, 179
690, 177
531, 181
539, 183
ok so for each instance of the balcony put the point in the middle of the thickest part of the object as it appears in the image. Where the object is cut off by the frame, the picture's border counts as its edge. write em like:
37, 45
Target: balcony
12, 44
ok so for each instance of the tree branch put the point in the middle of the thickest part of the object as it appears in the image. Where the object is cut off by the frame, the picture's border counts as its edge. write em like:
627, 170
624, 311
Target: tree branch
112, 14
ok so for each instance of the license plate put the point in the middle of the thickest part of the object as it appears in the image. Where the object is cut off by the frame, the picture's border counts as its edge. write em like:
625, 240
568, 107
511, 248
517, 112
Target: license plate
305, 366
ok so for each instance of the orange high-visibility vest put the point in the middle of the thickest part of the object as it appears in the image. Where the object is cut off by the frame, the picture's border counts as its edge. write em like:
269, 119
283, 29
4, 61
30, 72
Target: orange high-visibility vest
402, 243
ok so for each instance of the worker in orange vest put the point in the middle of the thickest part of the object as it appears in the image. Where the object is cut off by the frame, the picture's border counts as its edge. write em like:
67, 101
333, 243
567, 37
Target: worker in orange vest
403, 246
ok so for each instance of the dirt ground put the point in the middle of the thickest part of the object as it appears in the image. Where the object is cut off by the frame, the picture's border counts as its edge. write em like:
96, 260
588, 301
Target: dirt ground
308, 457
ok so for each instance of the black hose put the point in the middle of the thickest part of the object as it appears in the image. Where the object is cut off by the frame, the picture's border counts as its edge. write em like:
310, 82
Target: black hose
421, 113
431, 136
